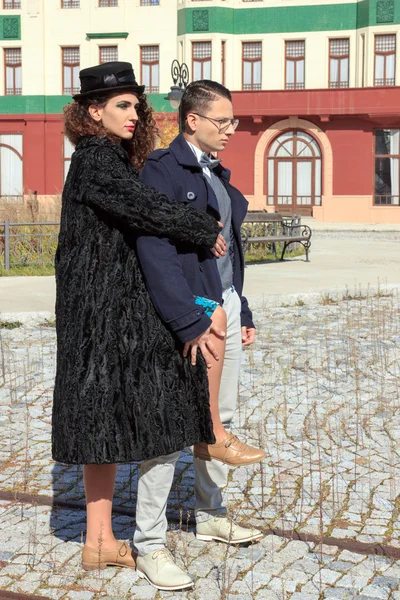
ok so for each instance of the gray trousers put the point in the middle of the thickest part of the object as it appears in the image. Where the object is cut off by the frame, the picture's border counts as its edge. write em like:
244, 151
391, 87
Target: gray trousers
156, 475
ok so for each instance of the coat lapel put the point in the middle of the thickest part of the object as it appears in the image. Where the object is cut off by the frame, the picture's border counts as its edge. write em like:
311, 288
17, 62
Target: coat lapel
187, 159
239, 202
212, 201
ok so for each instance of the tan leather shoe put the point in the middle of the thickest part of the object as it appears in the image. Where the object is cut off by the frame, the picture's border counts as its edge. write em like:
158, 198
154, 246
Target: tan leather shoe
230, 451
96, 559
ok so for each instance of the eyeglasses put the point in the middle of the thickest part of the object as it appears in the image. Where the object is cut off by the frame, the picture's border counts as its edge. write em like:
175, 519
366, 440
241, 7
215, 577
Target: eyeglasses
222, 124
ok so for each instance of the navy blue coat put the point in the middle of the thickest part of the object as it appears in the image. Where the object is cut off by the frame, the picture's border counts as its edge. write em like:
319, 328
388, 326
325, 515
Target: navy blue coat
175, 272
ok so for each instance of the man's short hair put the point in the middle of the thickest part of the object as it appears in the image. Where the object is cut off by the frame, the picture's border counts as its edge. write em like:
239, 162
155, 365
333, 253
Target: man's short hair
197, 97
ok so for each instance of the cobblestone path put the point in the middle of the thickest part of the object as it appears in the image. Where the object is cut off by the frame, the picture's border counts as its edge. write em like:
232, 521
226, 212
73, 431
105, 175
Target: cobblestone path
320, 390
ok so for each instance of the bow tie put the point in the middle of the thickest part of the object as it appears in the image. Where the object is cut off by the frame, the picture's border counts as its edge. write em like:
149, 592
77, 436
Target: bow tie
206, 161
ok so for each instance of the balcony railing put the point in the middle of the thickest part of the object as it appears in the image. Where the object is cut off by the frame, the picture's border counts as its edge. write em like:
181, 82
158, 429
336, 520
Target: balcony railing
384, 82
386, 200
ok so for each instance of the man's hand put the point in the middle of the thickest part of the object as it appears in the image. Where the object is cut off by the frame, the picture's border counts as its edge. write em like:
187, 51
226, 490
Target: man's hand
219, 248
248, 336
205, 344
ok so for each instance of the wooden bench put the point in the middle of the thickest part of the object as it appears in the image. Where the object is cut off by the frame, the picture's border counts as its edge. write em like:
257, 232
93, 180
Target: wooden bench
287, 230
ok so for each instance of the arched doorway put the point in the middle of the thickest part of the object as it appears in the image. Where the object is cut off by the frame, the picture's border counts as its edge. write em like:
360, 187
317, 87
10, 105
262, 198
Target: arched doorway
11, 166
294, 173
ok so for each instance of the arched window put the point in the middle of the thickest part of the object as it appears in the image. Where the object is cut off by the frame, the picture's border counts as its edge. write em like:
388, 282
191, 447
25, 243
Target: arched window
294, 173
11, 166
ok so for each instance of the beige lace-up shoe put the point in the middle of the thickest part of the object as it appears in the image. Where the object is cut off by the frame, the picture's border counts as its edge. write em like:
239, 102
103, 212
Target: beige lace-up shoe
160, 569
220, 528
94, 559
230, 451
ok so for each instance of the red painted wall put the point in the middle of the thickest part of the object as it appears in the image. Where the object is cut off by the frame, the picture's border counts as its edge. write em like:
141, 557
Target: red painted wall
54, 155
348, 117
238, 155
352, 144
34, 157
352, 116
42, 150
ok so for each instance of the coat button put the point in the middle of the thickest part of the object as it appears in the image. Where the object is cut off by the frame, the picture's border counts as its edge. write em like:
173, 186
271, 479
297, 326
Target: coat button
190, 196
201, 269
198, 314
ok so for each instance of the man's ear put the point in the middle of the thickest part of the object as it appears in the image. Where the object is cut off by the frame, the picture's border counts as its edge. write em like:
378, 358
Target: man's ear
191, 121
95, 112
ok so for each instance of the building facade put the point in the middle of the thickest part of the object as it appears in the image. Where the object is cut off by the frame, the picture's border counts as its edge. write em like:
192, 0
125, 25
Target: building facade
315, 84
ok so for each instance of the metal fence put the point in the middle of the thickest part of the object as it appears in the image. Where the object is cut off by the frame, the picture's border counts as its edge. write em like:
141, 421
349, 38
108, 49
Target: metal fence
25, 244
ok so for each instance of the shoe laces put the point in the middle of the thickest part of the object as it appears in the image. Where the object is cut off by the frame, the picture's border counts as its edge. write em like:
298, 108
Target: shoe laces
164, 555
232, 524
123, 549
239, 445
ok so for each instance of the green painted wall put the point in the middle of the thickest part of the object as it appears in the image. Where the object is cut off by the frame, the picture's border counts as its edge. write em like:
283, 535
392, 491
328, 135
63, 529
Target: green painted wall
28, 105
289, 19
17, 105
363, 13
159, 103
101, 36
378, 12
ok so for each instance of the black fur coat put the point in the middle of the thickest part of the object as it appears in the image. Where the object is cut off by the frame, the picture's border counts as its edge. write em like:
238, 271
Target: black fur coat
123, 391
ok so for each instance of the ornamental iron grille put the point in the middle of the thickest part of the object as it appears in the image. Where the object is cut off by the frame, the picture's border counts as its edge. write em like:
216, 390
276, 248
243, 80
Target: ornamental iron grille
251, 65
12, 4
200, 20
385, 11
108, 54
70, 4
11, 28
294, 173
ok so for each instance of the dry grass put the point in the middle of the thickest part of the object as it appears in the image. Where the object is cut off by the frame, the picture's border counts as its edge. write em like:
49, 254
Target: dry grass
31, 210
320, 391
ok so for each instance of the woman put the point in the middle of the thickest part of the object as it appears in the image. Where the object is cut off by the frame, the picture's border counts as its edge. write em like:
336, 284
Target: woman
123, 389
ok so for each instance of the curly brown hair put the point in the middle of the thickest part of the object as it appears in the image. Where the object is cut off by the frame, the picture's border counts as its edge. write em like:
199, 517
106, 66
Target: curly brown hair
78, 124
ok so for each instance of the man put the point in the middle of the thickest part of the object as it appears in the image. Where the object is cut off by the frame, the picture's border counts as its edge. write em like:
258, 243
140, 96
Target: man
174, 274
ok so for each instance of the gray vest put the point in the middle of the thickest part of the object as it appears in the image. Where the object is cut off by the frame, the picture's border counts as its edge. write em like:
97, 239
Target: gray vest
224, 263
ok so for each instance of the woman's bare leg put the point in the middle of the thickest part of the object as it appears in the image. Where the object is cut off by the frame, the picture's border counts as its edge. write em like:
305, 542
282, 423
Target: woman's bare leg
215, 373
99, 483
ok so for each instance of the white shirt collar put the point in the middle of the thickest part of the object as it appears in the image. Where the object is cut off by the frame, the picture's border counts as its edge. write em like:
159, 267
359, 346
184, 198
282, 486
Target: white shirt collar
197, 152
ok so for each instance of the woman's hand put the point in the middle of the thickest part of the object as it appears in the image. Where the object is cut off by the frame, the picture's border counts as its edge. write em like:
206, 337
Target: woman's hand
204, 344
219, 248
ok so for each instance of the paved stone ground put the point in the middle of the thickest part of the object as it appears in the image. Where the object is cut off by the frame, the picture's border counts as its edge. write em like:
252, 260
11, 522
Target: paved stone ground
320, 390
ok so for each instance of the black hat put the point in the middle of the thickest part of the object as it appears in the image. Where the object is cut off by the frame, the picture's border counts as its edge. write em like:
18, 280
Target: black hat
108, 77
